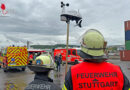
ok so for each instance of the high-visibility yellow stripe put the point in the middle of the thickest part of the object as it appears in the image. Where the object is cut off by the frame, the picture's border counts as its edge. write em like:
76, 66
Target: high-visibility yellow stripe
23, 63
12, 52
11, 56
129, 89
20, 63
19, 54
24, 57
22, 60
10, 49
64, 88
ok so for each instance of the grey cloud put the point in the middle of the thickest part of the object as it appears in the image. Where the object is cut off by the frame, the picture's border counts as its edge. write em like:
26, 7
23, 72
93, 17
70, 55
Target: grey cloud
39, 20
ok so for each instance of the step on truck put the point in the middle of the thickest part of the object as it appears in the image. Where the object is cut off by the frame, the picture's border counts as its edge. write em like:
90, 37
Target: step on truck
15, 58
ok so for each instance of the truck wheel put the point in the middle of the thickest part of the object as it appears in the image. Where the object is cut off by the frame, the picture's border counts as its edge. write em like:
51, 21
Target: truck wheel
76, 62
5, 70
23, 69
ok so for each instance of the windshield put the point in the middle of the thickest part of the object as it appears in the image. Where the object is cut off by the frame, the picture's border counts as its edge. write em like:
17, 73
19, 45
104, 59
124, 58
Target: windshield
74, 52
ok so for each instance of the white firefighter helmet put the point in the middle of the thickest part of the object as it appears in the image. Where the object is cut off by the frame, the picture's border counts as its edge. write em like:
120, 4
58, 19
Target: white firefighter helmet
42, 63
93, 43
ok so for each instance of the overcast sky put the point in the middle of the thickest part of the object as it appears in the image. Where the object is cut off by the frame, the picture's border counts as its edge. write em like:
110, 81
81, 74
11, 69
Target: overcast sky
39, 21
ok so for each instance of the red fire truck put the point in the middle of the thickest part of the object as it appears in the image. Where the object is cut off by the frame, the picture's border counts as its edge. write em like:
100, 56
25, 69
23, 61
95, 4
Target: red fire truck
73, 56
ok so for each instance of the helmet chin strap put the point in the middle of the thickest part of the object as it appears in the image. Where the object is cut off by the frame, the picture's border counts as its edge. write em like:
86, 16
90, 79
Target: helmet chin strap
95, 60
89, 58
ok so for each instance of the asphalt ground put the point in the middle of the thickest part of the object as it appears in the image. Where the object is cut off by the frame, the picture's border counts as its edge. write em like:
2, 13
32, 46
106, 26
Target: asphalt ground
16, 79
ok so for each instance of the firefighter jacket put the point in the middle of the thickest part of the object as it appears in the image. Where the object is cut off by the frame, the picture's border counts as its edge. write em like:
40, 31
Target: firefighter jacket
95, 76
42, 82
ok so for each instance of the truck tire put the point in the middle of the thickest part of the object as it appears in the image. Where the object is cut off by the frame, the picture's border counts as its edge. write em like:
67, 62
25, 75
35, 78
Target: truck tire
5, 70
76, 62
23, 69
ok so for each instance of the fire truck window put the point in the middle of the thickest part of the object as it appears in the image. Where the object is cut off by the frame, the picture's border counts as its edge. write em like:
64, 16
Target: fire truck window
69, 52
74, 52
78, 51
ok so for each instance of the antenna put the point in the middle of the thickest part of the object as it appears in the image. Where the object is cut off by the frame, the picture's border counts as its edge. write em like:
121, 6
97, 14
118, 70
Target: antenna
67, 4
63, 5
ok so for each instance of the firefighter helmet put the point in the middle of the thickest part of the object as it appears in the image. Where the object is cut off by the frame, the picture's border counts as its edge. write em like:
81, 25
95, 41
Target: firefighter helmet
93, 43
42, 63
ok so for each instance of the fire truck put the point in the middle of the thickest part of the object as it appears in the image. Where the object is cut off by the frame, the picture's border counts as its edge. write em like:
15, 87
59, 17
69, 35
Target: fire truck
73, 56
14, 57
1, 60
35, 53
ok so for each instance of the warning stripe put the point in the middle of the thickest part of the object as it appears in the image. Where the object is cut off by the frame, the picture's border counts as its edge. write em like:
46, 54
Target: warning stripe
9, 59
21, 61
17, 60
10, 55
9, 50
24, 58
18, 63
13, 50
18, 53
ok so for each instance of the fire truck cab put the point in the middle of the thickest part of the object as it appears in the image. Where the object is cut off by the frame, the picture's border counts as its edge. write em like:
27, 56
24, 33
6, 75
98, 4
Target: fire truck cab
73, 56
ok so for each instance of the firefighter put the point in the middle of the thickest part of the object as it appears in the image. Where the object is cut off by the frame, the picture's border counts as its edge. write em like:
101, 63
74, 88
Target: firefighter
42, 66
30, 59
94, 72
